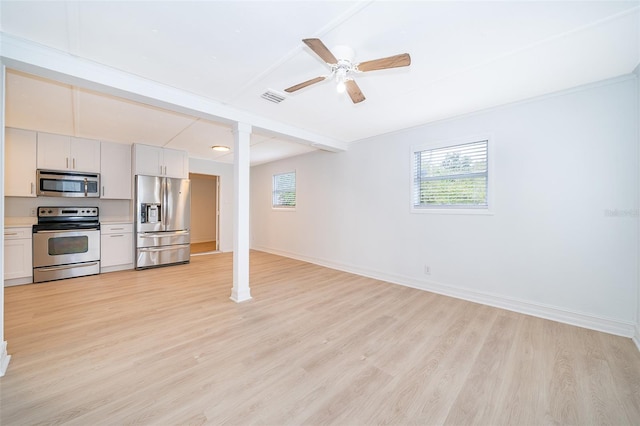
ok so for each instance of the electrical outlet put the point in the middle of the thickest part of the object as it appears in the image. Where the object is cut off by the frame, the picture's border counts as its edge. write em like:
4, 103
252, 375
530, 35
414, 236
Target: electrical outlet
33, 212
427, 270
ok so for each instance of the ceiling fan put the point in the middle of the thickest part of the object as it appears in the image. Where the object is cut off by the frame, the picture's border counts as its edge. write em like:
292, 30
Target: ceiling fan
343, 69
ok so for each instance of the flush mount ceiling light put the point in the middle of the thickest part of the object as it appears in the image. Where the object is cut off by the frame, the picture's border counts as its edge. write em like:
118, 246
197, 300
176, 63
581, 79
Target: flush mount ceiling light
220, 148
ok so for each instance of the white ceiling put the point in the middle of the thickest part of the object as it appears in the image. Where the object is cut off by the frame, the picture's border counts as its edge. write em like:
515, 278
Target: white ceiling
466, 56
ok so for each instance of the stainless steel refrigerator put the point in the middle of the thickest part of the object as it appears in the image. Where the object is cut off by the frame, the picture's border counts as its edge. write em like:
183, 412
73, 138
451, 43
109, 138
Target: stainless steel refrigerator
163, 217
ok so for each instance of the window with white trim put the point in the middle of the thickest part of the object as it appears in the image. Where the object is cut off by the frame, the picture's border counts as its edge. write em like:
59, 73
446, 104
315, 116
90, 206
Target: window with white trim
452, 177
284, 190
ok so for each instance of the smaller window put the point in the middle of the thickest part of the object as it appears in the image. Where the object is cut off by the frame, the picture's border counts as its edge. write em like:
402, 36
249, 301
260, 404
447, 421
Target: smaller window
452, 177
284, 190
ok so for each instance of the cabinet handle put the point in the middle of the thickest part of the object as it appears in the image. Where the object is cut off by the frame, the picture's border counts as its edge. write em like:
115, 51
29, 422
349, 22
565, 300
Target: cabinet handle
117, 229
165, 170
103, 190
33, 187
117, 235
160, 170
10, 233
67, 158
74, 163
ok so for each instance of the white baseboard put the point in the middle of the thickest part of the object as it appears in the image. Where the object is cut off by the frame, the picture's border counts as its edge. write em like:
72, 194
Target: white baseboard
18, 281
4, 358
115, 268
554, 313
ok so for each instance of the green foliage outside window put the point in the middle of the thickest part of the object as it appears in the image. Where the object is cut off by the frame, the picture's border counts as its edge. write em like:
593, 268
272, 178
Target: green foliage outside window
455, 176
284, 190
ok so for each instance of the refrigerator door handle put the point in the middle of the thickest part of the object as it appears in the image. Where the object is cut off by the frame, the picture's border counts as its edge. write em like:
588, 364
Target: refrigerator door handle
162, 234
165, 248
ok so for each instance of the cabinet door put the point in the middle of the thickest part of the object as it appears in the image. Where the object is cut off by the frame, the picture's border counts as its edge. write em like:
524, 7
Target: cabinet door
116, 249
176, 163
17, 259
20, 163
115, 171
85, 155
148, 160
54, 152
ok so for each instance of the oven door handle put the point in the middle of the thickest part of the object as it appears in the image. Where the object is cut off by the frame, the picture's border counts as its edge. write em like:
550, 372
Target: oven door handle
62, 231
60, 268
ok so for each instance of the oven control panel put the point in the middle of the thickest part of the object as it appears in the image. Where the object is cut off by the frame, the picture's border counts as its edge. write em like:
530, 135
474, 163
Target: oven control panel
67, 212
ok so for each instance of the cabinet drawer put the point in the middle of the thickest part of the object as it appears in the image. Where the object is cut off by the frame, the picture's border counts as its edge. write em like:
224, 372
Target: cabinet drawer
116, 228
17, 233
117, 249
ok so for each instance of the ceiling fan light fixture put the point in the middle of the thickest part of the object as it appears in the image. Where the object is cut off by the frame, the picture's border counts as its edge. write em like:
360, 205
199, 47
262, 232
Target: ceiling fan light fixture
221, 148
341, 78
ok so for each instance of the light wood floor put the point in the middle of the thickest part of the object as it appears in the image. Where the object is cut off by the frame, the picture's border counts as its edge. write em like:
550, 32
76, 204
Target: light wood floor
203, 247
315, 346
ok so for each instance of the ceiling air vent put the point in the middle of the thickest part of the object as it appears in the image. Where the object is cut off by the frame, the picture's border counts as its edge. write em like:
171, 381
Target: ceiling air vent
273, 96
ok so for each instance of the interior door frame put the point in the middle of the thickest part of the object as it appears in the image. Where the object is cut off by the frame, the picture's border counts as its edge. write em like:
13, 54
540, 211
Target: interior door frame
217, 201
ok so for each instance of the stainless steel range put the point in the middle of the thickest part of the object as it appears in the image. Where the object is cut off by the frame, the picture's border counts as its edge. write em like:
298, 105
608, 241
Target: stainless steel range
66, 243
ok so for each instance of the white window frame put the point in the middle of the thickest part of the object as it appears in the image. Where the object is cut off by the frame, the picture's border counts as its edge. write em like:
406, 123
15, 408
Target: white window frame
273, 190
489, 209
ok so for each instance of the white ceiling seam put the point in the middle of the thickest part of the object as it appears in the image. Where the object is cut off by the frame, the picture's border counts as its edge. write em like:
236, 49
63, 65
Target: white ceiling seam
37, 59
75, 114
181, 131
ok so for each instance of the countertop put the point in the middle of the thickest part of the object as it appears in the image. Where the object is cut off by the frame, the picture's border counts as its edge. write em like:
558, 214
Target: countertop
19, 222
109, 220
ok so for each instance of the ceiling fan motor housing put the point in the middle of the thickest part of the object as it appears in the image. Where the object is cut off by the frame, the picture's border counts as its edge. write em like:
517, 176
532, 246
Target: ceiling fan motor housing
343, 53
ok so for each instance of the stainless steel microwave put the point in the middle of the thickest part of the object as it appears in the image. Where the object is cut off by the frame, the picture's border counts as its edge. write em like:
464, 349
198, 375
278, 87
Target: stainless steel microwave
55, 183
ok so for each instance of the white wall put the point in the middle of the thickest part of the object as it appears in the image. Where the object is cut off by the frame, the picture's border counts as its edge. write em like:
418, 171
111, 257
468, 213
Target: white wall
637, 332
553, 248
225, 174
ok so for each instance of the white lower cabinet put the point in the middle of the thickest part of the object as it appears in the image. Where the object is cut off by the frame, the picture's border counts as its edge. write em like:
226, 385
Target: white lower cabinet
18, 266
116, 248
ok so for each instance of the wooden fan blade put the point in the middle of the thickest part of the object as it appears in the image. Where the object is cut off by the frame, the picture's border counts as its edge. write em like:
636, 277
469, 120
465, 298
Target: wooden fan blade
304, 84
354, 91
396, 61
321, 50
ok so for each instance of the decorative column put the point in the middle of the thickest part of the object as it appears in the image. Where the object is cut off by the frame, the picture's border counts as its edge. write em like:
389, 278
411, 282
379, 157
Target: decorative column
241, 169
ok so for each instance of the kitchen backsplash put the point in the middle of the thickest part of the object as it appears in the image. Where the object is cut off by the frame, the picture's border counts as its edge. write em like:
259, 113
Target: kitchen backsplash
109, 209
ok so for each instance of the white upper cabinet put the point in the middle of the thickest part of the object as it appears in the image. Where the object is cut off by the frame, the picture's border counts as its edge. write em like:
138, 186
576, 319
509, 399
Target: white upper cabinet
148, 160
176, 163
59, 152
115, 171
20, 163
85, 154
156, 161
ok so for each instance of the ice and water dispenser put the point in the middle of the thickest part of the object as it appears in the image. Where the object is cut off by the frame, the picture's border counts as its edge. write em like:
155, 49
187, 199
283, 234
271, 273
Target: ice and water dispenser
150, 213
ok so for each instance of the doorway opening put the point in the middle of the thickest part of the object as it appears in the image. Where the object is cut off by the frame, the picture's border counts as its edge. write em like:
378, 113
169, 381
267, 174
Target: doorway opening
204, 213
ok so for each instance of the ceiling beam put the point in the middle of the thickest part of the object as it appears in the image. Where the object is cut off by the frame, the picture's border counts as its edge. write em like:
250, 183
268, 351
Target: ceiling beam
26, 56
